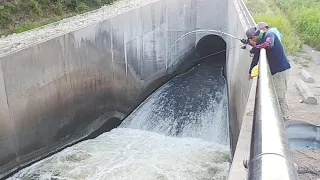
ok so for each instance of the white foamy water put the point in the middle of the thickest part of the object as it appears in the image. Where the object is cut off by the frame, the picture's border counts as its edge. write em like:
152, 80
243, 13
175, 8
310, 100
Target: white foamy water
182, 108
130, 154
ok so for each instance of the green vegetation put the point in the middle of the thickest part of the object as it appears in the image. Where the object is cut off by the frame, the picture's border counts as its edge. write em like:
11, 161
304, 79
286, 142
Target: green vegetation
297, 20
30, 26
305, 17
21, 15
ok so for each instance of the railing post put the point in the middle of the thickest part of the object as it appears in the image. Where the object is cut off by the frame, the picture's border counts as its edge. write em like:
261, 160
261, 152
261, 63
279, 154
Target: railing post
270, 155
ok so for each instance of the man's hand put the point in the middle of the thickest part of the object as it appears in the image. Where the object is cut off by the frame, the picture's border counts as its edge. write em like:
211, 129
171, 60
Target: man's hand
244, 41
251, 55
250, 77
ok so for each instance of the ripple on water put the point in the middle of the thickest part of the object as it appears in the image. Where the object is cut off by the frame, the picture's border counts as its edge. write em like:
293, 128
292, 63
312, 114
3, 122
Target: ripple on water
130, 154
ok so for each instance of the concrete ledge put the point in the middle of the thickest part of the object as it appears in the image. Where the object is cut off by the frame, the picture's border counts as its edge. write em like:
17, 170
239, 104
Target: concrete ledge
306, 77
242, 152
308, 96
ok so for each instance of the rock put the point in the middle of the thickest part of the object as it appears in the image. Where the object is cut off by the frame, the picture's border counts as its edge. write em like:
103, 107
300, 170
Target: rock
306, 93
306, 77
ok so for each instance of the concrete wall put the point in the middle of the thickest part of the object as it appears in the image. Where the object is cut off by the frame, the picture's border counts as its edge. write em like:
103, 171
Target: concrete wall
238, 63
59, 91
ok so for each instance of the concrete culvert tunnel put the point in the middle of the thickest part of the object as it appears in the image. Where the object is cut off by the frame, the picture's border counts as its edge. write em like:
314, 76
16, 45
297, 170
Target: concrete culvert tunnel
212, 45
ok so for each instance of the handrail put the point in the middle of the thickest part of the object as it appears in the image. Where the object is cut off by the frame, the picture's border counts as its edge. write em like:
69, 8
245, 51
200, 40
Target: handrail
270, 155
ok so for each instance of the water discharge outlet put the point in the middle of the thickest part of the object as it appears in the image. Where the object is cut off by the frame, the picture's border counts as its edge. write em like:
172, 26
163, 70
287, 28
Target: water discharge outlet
66, 84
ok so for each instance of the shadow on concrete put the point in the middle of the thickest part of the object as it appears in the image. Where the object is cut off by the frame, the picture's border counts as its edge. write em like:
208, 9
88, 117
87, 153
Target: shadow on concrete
302, 135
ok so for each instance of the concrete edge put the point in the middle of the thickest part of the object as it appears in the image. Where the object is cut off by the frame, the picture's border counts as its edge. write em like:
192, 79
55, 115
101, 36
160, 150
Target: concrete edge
306, 93
237, 170
306, 77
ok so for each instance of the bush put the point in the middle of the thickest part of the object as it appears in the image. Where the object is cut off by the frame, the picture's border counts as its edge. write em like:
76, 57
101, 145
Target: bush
4, 17
57, 7
34, 8
6, 13
107, 1
70, 4
81, 7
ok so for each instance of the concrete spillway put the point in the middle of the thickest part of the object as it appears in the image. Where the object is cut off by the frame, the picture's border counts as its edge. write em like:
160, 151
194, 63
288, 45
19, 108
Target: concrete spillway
57, 92
183, 122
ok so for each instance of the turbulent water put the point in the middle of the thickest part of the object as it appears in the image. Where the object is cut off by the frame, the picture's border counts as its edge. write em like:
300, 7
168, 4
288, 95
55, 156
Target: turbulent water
179, 133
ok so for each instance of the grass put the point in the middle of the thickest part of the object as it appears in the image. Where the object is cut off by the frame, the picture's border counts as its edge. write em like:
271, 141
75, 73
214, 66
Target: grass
297, 20
19, 16
305, 17
30, 26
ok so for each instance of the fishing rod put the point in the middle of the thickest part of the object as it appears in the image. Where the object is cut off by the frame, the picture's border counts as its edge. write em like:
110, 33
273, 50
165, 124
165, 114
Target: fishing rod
205, 31
244, 41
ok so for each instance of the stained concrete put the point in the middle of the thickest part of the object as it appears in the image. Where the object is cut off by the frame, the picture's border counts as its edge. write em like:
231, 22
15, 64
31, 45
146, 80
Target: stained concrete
61, 90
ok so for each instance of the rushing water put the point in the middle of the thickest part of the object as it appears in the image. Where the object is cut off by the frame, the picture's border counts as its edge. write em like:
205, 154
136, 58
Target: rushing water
179, 133
191, 105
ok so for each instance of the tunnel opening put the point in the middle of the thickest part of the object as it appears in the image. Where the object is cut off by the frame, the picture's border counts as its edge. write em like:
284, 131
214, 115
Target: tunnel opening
212, 48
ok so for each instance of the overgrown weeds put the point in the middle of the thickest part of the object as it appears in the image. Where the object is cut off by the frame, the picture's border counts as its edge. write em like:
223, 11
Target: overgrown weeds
305, 17
298, 21
19, 16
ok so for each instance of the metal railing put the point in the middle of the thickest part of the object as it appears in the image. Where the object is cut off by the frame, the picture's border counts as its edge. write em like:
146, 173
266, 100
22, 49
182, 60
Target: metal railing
270, 154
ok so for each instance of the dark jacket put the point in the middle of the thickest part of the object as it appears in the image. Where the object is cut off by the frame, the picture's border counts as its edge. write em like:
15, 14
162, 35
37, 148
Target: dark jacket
276, 55
256, 55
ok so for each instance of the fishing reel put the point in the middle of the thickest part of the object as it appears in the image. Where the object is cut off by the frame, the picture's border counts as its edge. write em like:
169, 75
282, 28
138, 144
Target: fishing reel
245, 42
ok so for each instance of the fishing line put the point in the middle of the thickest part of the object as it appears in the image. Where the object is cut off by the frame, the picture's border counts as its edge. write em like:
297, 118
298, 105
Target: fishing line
217, 52
209, 31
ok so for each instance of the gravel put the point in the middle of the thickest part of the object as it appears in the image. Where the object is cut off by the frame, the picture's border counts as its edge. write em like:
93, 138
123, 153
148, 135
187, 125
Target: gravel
19, 41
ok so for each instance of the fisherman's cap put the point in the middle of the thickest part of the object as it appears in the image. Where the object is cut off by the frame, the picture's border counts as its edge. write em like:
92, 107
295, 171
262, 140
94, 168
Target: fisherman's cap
261, 25
253, 31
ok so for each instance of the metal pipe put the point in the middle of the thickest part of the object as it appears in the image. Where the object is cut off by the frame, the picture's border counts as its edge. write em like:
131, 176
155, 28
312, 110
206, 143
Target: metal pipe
270, 155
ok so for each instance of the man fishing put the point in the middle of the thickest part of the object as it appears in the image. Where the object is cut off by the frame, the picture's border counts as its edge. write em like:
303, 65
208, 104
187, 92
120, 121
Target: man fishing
264, 27
278, 62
